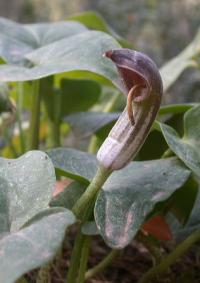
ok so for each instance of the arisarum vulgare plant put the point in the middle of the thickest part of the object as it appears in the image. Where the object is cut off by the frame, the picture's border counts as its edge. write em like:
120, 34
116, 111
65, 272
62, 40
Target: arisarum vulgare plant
110, 195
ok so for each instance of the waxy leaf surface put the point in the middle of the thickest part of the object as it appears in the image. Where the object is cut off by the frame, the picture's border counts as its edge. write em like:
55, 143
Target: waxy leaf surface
26, 186
34, 245
39, 50
30, 232
75, 164
130, 194
17, 40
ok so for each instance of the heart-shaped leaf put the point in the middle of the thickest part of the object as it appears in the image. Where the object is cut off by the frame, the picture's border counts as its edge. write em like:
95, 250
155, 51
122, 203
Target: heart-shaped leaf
26, 186
17, 40
29, 235
75, 164
67, 55
186, 148
130, 194
34, 245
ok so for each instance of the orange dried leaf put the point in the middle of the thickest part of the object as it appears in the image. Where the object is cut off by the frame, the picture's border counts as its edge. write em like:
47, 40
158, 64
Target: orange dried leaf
158, 227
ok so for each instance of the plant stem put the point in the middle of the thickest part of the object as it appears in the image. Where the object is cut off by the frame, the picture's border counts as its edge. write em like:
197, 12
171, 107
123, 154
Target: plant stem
102, 265
84, 206
54, 131
91, 191
78, 246
171, 258
34, 126
84, 259
75, 258
19, 110
55, 123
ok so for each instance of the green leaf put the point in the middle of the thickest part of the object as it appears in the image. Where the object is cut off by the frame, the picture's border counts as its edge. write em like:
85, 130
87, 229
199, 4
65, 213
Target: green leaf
17, 40
85, 124
173, 69
34, 245
30, 233
47, 33
69, 196
94, 20
38, 50
75, 164
26, 186
186, 148
67, 55
130, 194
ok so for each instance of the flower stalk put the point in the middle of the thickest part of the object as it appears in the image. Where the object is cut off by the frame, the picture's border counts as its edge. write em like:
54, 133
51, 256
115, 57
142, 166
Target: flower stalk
34, 126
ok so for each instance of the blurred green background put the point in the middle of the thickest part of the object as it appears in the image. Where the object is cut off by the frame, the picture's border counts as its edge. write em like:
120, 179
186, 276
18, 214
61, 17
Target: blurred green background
159, 28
